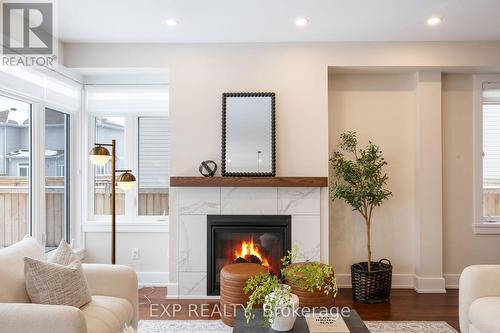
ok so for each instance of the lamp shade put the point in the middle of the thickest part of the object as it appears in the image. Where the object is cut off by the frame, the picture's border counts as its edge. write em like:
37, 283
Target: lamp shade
126, 181
99, 155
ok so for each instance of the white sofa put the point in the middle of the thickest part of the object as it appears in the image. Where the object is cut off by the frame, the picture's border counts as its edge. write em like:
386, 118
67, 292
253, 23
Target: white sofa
479, 299
114, 301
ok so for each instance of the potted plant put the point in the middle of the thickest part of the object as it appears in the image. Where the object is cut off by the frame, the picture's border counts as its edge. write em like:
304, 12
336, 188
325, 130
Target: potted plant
279, 302
359, 180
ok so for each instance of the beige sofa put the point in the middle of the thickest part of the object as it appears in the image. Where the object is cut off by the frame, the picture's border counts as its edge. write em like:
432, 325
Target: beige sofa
479, 299
114, 300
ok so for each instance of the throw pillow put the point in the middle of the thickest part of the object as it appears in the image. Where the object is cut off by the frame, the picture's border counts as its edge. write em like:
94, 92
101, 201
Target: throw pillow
63, 255
54, 284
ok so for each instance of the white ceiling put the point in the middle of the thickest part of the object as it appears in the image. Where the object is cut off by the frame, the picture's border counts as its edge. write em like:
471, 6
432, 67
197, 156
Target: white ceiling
273, 20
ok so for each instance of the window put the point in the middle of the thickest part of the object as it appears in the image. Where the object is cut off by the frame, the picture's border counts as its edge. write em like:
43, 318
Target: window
491, 151
56, 178
23, 170
35, 108
154, 152
143, 145
15, 160
136, 116
106, 130
486, 154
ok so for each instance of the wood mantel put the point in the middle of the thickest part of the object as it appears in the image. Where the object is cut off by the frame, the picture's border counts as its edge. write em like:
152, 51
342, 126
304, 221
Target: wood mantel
249, 181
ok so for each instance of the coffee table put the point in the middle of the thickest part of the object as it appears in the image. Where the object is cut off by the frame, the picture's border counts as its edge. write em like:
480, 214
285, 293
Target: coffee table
353, 322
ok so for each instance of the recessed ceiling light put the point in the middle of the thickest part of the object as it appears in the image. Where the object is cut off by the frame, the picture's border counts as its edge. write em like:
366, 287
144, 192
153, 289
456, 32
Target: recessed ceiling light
434, 20
301, 21
171, 23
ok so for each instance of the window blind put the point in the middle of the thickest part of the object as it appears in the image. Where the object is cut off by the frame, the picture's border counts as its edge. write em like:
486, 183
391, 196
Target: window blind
42, 85
127, 98
154, 152
491, 135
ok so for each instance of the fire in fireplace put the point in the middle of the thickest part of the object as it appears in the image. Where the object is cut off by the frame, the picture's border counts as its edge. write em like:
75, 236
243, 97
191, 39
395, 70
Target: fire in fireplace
232, 239
249, 252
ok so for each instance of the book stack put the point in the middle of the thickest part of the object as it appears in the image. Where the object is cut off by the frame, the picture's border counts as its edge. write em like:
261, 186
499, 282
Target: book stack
326, 323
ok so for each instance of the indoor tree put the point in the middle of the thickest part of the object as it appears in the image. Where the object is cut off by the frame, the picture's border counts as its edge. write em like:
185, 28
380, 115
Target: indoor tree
358, 179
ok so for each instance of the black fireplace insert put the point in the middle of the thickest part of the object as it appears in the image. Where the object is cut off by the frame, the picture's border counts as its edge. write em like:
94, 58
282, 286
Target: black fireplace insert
260, 239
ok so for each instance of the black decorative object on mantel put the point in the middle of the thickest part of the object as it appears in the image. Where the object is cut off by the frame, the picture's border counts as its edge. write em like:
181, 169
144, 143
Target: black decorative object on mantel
248, 134
208, 168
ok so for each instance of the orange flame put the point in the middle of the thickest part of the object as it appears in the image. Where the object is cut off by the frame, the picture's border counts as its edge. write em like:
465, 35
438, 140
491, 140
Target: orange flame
248, 249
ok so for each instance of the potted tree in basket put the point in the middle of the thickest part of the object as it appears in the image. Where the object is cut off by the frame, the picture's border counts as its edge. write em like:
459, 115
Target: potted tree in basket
358, 179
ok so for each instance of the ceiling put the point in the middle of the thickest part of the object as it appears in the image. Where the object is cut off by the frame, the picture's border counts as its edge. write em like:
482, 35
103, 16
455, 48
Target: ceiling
216, 21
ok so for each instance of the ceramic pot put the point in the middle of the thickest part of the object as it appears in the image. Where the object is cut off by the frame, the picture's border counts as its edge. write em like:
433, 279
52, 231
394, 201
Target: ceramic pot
286, 315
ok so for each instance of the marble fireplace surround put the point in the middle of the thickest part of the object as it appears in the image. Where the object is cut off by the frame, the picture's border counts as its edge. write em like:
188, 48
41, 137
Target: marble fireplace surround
193, 204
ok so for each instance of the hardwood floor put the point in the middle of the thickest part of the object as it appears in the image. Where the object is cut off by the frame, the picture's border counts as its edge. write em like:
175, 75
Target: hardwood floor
405, 304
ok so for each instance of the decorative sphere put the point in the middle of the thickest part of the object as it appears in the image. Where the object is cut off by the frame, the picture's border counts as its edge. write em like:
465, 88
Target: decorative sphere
208, 168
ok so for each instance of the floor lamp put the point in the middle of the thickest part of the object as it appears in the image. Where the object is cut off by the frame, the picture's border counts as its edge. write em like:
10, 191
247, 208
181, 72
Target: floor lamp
99, 155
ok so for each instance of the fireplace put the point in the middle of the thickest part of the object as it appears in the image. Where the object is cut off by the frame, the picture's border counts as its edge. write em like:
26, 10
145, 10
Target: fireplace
261, 239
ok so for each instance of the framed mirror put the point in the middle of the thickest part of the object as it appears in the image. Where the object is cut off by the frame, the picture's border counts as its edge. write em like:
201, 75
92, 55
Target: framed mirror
248, 135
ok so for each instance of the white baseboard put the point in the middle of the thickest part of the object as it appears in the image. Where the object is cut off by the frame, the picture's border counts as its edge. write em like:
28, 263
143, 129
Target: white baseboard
153, 279
399, 281
429, 285
451, 280
403, 281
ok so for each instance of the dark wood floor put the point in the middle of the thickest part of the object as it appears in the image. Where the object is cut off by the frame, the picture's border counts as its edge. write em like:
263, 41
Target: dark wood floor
405, 304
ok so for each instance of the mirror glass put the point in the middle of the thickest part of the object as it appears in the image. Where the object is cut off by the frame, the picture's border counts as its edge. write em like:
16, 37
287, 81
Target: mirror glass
249, 134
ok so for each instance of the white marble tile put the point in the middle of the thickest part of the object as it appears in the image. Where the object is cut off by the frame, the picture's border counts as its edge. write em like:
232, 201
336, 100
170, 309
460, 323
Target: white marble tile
249, 200
299, 200
306, 235
192, 284
192, 243
199, 200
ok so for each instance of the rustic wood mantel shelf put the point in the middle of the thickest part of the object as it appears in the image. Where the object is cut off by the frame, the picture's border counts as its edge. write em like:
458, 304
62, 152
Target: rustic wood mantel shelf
249, 181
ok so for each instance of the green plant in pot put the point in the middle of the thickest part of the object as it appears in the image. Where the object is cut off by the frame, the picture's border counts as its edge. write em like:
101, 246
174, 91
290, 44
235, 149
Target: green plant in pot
358, 179
279, 302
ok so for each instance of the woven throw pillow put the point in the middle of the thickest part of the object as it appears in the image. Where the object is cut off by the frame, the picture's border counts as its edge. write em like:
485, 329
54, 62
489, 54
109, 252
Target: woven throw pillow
63, 255
54, 284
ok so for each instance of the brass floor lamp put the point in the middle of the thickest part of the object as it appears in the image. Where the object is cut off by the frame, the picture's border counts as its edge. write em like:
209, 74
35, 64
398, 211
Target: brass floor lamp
99, 155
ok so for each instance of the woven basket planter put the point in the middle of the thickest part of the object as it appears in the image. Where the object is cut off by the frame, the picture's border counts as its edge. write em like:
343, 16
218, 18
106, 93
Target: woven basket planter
374, 286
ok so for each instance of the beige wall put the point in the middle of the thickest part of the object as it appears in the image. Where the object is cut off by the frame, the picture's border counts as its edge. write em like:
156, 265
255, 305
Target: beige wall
461, 246
298, 73
98, 249
379, 107
301, 100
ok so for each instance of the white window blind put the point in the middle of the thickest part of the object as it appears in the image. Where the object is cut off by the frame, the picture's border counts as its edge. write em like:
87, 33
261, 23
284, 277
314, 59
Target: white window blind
154, 152
126, 98
42, 85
